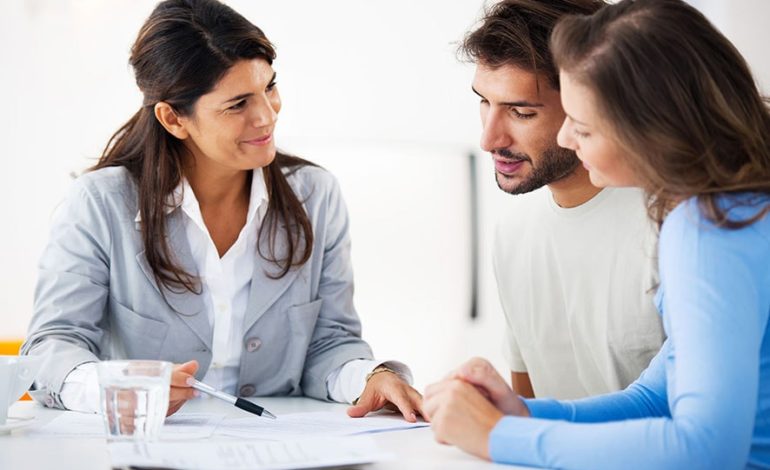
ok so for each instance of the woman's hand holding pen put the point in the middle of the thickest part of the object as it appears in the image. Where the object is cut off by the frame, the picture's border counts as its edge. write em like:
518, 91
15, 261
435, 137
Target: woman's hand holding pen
465, 406
181, 391
388, 390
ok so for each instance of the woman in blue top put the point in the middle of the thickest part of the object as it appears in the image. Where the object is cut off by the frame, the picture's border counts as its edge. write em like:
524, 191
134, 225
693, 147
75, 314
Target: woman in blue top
656, 97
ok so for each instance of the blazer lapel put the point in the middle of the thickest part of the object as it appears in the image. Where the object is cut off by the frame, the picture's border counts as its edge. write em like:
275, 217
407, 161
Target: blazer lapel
187, 304
265, 291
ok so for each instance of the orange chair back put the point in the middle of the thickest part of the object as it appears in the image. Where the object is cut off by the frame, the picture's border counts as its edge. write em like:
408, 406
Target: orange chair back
10, 347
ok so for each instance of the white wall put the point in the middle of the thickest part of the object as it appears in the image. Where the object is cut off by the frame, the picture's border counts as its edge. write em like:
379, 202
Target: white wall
744, 22
370, 88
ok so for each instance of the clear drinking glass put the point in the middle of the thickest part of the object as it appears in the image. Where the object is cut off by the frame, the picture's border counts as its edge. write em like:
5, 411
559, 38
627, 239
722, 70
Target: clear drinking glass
134, 398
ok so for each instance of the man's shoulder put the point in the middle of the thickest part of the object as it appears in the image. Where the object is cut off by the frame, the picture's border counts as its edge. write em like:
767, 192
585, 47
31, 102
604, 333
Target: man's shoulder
624, 199
610, 210
625, 211
535, 220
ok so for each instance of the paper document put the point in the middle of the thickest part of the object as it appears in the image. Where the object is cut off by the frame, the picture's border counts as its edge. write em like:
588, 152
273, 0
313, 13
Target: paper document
320, 423
190, 426
180, 426
237, 455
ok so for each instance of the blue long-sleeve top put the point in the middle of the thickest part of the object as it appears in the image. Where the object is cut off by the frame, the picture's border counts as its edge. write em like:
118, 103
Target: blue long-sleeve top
704, 401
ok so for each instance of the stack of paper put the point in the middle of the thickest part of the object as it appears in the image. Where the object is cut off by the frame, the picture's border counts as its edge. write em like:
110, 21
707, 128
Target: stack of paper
189, 426
248, 455
181, 426
297, 440
301, 425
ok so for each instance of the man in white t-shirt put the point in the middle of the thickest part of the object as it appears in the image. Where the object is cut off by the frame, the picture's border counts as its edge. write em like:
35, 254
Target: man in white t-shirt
575, 264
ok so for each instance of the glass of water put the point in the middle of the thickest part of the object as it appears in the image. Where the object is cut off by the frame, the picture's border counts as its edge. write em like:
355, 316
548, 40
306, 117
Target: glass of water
134, 398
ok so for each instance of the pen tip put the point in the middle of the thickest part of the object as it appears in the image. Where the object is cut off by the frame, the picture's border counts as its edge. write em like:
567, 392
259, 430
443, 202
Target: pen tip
253, 408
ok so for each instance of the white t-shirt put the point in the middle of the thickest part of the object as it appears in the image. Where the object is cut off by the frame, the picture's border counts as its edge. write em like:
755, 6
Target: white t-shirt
576, 286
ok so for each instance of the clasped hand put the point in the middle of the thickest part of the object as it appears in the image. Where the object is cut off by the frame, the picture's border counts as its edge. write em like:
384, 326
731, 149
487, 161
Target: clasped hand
465, 406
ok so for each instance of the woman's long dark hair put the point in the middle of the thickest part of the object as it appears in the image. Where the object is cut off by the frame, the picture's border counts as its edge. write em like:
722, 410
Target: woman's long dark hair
680, 99
181, 52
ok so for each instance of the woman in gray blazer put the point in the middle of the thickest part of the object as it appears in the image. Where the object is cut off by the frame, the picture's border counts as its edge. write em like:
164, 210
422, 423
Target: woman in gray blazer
194, 241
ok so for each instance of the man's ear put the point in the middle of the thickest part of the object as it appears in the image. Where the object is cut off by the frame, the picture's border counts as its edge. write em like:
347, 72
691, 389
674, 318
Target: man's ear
169, 119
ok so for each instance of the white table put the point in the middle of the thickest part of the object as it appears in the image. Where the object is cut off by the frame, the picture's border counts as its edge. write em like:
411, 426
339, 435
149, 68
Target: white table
415, 448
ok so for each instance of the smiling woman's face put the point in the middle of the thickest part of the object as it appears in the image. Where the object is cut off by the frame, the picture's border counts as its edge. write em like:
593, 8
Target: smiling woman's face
591, 137
232, 125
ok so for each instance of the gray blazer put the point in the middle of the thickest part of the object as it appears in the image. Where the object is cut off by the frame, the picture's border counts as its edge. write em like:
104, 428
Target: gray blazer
96, 297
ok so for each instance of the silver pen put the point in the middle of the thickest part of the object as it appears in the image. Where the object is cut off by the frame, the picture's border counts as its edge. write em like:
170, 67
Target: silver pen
238, 402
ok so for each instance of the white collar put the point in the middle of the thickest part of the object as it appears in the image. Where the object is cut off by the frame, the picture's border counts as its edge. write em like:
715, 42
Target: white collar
176, 199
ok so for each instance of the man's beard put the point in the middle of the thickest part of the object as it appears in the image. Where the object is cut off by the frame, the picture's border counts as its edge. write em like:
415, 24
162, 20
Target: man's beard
555, 163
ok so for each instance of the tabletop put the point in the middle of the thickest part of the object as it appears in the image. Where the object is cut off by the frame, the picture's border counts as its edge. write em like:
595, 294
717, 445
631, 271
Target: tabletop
413, 448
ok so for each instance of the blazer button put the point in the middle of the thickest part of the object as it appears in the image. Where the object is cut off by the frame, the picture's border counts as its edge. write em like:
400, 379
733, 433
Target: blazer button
252, 344
247, 390
49, 401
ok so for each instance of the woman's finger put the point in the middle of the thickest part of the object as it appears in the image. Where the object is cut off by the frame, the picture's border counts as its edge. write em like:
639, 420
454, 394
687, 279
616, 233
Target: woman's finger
417, 403
365, 404
404, 404
178, 393
174, 407
182, 372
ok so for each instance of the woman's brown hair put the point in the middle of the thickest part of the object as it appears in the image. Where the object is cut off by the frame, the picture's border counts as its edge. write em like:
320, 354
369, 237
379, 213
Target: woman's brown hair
181, 52
681, 100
